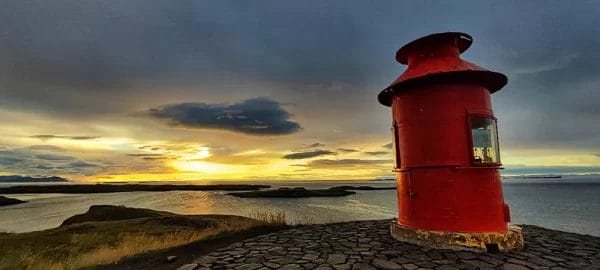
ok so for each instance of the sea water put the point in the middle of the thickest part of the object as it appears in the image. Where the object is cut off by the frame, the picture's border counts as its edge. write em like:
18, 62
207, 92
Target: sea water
570, 203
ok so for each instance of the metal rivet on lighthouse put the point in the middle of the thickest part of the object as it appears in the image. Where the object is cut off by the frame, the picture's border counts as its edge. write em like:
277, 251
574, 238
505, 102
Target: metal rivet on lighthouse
446, 150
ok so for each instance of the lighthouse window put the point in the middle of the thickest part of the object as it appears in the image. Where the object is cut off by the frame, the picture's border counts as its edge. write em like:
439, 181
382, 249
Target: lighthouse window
396, 147
485, 140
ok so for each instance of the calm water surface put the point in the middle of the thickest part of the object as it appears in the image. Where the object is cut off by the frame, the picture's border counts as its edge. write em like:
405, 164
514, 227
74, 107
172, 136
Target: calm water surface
570, 204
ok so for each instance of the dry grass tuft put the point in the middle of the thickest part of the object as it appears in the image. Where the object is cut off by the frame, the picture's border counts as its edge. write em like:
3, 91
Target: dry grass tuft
93, 243
273, 218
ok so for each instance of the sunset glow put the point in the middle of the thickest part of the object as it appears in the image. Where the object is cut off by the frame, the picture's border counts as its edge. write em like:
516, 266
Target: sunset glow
239, 96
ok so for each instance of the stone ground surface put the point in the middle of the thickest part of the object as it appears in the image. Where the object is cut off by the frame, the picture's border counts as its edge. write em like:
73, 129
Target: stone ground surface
368, 245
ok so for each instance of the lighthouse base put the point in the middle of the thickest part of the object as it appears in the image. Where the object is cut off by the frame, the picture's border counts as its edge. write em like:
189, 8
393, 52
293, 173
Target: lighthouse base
478, 242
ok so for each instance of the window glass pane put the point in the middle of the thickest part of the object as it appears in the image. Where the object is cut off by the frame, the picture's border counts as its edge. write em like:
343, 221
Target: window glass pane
395, 147
485, 140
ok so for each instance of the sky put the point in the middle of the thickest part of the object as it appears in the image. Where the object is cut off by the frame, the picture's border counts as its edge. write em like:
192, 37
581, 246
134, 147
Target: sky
190, 90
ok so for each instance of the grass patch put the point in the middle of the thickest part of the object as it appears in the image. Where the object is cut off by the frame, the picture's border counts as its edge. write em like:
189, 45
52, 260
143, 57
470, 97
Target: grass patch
187, 253
87, 241
298, 192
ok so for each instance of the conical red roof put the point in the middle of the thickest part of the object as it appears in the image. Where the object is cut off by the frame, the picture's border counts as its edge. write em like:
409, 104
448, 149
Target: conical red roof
436, 58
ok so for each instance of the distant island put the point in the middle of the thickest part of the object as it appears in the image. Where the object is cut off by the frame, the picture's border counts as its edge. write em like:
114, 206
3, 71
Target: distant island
298, 192
541, 176
9, 201
30, 179
111, 188
384, 179
362, 188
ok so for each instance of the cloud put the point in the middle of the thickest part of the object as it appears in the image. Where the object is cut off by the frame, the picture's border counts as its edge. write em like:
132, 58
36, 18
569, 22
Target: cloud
144, 155
50, 136
68, 60
82, 164
9, 161
308, 154
149, 156
347, 150
155, 158
346, 162
97, 51
50, 148
388, 146
376, 153
315, 145
34, 161
256, 116
53, 157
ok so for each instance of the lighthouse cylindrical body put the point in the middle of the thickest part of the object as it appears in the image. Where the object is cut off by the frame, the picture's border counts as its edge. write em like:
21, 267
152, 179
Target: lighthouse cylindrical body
440, 187
446, 149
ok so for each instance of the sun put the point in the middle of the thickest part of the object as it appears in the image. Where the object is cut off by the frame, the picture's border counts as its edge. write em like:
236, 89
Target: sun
203, 152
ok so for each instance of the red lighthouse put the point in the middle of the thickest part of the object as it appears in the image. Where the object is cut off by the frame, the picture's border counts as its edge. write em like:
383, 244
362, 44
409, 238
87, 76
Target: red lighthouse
446, 151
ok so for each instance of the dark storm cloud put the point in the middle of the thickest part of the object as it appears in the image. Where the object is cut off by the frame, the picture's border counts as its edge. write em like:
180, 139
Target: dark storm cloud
50, 136
345, 162
257, 116
308, 154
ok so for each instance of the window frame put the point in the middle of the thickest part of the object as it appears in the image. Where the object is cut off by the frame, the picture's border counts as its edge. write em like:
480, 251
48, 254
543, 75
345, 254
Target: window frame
470, 117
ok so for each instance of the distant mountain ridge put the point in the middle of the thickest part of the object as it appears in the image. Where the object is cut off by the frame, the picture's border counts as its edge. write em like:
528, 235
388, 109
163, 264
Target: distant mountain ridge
29, 179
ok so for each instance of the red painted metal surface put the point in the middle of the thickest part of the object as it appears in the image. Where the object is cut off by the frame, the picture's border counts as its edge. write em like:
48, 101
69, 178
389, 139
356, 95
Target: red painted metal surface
440, 185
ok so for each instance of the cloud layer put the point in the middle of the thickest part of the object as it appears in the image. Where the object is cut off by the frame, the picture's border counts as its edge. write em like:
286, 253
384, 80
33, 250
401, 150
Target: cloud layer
308, 154
350, 162
42, 161
52, 136
72, 74
257, 116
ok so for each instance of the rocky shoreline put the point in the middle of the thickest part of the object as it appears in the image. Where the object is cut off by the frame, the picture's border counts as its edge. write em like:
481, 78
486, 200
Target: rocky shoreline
368, 245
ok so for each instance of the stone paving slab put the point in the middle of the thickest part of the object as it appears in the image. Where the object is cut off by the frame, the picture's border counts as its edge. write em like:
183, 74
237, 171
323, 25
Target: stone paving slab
368, 245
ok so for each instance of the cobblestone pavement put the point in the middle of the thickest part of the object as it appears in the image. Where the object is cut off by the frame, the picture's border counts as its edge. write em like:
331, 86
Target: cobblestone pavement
368, 245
